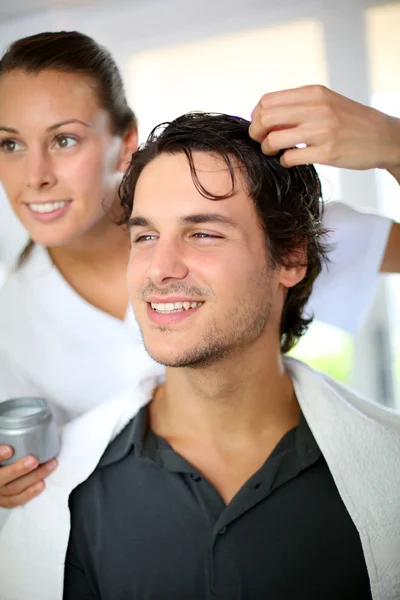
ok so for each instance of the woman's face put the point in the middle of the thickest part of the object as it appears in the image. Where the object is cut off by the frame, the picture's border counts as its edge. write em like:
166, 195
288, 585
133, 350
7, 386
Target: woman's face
60, 163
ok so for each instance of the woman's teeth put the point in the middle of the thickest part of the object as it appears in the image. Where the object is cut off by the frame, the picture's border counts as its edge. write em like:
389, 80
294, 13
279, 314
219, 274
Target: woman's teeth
47, 207
171, 307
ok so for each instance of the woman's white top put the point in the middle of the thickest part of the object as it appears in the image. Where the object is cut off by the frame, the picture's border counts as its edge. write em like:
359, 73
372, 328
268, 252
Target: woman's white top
56, 345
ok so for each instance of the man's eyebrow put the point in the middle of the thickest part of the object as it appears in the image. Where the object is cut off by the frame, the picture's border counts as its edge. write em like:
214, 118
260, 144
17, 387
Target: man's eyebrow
199, 218
138, 222
51, 128
195, 219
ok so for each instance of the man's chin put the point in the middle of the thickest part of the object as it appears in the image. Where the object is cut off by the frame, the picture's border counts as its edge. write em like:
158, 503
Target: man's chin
170, 360
190, 358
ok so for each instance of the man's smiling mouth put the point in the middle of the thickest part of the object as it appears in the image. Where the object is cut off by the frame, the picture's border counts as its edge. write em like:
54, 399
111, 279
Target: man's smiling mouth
173, 307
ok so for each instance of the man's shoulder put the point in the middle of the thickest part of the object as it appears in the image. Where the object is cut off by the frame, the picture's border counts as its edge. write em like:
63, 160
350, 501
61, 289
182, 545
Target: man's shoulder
88, 498
119, 447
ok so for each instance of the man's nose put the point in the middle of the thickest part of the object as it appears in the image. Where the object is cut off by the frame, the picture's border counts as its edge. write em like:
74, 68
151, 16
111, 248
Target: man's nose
167, 263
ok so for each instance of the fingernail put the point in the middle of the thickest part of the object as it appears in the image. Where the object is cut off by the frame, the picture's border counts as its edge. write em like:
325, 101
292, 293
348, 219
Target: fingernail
5, 452
38, 486
51, 465
31, 461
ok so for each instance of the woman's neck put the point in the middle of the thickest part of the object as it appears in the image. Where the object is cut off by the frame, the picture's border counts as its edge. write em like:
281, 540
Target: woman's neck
95, 266
105, 244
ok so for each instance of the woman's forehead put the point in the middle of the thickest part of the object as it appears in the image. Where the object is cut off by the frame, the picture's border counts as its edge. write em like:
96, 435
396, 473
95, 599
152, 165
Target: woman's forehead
39, 101
52, 91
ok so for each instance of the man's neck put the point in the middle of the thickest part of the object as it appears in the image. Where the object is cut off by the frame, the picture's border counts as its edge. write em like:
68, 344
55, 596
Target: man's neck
230, 402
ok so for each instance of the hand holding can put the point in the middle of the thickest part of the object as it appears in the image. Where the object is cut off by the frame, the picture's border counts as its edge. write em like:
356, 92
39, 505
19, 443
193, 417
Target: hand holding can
29, 443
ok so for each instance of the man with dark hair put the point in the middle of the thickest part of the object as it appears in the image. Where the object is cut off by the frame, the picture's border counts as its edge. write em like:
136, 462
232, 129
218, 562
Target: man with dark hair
247, 475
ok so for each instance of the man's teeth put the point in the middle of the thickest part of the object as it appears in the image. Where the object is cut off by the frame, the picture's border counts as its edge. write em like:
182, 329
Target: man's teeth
47, 207
171, 307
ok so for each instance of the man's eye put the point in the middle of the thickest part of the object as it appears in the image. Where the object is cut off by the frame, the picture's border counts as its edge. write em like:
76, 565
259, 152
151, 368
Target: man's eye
144, 238
204, 235
10, 146
65, 141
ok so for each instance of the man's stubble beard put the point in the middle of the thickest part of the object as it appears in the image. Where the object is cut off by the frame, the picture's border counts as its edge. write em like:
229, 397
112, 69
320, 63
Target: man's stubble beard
241, 327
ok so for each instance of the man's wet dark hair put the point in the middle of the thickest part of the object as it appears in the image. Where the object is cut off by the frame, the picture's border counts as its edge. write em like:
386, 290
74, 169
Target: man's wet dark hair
288, 201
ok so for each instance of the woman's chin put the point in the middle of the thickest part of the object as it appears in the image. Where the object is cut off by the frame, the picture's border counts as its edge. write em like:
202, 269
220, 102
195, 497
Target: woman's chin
53, 239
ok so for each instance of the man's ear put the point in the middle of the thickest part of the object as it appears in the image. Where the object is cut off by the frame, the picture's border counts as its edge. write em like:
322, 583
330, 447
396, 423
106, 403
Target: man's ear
292, 276
295, 267
128, 147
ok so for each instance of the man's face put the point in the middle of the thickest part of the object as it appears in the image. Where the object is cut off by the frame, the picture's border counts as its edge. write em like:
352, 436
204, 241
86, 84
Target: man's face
200, 280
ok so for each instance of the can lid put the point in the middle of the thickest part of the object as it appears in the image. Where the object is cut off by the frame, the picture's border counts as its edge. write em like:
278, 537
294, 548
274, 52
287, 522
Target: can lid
23, 412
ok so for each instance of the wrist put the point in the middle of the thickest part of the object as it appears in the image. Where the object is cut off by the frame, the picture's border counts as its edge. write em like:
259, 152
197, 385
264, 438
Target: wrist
395, 171
393, 160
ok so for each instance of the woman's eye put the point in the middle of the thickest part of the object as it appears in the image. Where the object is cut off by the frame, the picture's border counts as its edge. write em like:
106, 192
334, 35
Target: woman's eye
10, 146
65, 141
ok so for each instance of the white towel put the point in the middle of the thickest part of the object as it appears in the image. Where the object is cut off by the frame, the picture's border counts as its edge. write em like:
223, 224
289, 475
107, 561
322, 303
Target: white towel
35, 536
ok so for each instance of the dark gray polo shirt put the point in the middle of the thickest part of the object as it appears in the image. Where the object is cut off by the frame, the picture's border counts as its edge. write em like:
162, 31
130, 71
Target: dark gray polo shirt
147, 526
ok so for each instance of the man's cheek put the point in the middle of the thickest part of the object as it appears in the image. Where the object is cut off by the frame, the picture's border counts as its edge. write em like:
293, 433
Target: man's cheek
132, 292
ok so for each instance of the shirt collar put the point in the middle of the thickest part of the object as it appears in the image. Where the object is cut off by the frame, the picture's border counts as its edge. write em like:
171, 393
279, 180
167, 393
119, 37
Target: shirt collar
137, 435
306, 446
148, 446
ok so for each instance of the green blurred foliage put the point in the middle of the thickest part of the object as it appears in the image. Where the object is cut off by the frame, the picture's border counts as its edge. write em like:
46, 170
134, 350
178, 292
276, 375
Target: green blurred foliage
329, 351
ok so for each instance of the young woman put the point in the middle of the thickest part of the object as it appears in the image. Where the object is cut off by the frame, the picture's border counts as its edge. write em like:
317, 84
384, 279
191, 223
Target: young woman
67, 333
66, 135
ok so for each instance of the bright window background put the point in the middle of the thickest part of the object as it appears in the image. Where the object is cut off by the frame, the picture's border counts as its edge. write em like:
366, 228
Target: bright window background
383, 37
229, 74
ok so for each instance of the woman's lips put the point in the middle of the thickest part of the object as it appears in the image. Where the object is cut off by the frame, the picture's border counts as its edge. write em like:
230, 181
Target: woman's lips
48, 211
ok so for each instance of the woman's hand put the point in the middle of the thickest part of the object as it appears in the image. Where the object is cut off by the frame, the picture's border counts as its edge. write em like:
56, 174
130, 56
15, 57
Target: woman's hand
336, 130
23, 480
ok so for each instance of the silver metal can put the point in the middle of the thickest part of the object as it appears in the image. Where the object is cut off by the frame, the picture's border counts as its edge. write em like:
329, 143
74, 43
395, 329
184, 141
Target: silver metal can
29, 427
